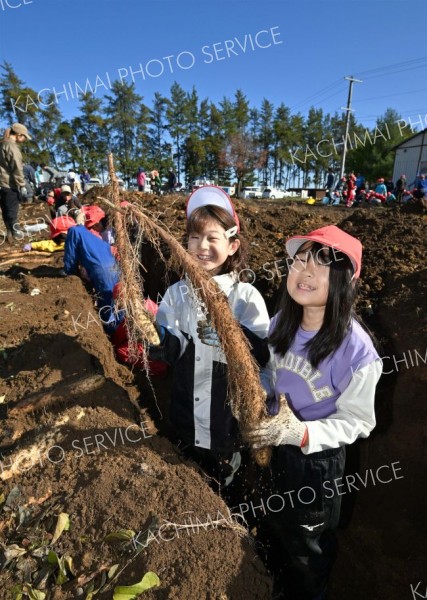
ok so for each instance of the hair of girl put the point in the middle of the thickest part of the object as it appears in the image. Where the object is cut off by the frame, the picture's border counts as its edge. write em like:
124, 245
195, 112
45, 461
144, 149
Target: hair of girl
338, 311
197, 223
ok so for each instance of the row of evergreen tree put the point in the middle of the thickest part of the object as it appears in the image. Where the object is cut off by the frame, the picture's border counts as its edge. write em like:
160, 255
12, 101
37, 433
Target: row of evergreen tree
229, 142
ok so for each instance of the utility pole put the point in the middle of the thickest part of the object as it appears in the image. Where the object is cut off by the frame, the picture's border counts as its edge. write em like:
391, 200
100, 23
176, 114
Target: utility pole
347, 121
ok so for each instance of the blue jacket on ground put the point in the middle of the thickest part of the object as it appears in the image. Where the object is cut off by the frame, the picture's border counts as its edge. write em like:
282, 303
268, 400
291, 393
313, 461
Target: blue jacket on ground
84, 248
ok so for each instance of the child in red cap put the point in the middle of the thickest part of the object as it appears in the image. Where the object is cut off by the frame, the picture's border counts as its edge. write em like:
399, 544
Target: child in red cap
320, 382
58, 232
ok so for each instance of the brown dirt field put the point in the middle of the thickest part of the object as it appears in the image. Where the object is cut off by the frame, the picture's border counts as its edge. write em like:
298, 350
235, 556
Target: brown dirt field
92, 459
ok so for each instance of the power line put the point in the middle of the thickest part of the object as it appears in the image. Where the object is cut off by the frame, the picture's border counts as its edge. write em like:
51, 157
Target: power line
324, 90
392, 95
411, 64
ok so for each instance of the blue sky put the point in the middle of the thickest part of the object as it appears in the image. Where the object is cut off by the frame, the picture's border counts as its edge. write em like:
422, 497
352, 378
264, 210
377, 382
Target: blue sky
312, 46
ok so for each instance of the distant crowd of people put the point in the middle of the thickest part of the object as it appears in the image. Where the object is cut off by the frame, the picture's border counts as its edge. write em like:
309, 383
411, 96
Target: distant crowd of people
353, 190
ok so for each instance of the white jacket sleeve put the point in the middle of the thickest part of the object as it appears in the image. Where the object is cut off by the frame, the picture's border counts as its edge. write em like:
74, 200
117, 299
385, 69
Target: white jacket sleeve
354, 417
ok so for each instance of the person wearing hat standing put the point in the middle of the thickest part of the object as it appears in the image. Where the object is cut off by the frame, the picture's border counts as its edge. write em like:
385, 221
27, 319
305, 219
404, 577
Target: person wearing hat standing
400, 188
12, 181
320, 384
202, 421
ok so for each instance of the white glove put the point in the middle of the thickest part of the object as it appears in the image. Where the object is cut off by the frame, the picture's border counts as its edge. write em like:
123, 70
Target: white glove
23, 191
284, 428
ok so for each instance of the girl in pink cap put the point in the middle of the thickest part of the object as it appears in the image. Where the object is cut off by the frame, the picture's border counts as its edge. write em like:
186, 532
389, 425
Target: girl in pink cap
320, 381
200, 414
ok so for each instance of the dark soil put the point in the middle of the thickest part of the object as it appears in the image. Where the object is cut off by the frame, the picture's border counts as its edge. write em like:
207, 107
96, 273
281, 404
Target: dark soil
77, 455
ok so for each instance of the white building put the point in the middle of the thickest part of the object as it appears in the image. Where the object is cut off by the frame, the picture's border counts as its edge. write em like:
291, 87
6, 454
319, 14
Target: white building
411, 157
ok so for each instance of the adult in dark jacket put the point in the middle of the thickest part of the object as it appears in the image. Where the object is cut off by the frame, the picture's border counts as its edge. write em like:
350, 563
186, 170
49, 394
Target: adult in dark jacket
171, 180
329, 184
400, 188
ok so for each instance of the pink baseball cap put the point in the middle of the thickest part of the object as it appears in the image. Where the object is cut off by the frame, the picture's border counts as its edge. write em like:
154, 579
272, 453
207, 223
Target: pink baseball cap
333, 237
211, 195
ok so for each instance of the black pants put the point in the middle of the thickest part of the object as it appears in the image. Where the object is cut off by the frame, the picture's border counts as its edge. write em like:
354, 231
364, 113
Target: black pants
220, 467
9, 203
301, 534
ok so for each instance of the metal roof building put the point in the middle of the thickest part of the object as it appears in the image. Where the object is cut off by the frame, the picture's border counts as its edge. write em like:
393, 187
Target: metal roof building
411, 157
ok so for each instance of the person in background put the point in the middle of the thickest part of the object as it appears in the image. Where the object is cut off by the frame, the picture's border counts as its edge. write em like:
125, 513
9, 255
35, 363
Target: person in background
49, 172
155, 182
58, 233
391, 199
380, 191
95, 220
422, 187
389, 185
329, 185
85, 178
30, 182
73, 182
351, 189
360, 183
400, 188
12, 182
119, 337
171, 180
140, 179
50, 198
88, 251
66, 202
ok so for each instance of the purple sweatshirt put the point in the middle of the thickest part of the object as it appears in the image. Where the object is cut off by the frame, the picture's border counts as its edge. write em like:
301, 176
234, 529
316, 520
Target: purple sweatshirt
336, 399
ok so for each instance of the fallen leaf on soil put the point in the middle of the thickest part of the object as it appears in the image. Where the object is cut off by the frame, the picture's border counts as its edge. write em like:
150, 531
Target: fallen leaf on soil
122, 535
62, 524
129, 592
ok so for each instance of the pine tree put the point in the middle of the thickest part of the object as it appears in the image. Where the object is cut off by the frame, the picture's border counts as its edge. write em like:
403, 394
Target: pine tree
67, 149
177, 121
266, 136
159, 158
122, 113
91, 135
18, 102
46, 136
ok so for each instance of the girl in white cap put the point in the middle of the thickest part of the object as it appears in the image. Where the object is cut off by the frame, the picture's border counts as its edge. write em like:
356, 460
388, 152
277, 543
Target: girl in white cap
12, 182
200, 414
321, 381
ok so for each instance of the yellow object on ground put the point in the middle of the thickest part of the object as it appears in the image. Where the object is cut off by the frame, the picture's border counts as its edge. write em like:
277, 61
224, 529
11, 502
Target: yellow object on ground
47, 246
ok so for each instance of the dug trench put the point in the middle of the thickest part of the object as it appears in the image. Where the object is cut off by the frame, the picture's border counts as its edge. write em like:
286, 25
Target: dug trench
95, 447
